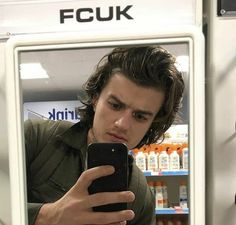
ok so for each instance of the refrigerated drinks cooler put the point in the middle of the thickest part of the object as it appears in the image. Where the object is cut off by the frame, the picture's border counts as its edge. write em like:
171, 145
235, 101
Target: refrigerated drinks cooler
65, 61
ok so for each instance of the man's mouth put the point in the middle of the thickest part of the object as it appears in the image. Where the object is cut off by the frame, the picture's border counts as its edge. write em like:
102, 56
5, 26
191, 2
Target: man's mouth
117, 138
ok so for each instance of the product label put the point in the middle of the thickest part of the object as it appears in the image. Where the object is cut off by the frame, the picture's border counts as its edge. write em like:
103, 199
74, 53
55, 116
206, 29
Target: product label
159, 197
152, 163
141, 163
164, 162
185, 161
174, 163
183, 196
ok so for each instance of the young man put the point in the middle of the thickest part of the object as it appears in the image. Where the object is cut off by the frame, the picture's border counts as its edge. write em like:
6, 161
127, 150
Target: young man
133, 98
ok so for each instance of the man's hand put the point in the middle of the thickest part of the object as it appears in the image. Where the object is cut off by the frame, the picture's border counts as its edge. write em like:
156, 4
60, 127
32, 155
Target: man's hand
75, 207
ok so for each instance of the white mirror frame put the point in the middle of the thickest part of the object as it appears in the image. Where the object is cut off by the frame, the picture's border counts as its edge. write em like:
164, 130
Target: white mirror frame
192, 35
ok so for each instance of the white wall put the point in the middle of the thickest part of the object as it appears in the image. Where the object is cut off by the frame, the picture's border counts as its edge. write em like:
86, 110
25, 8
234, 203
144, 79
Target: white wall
221, 118
5, 213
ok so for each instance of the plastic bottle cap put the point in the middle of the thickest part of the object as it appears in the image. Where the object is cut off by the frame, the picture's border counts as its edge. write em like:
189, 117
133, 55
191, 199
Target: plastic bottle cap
183, 182
158, 183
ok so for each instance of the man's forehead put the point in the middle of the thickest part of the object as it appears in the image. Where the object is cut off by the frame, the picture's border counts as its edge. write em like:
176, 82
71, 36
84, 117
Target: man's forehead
130, 93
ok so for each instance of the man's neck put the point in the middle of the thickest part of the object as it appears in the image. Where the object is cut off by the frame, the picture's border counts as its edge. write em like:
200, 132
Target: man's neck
91, 137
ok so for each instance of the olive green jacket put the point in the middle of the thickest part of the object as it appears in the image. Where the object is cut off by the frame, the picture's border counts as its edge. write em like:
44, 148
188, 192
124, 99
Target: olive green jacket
55, 158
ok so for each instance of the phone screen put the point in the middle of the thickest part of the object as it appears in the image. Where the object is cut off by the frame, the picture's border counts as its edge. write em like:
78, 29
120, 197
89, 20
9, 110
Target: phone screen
115, 154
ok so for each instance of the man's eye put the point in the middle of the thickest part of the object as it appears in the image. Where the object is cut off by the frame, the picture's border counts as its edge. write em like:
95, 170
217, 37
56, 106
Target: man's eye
140, 117
115, 106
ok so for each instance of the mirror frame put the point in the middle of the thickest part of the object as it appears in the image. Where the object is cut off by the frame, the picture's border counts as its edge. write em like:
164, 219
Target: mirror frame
192, 36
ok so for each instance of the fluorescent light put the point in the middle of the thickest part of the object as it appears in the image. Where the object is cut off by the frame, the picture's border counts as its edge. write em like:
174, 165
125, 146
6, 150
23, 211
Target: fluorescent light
32, 71
182, 63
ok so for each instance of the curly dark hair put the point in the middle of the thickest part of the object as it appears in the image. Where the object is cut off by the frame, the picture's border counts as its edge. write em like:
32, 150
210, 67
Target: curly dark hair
149, 66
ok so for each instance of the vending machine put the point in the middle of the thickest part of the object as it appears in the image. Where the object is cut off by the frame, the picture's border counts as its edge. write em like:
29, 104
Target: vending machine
46, 67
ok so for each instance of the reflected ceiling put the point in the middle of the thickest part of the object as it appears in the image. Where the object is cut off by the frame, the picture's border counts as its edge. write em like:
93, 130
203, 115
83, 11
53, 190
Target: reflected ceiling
68, 69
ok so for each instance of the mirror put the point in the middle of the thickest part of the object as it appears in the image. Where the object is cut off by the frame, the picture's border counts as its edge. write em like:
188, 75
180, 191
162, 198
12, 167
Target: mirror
65, 72
51, 79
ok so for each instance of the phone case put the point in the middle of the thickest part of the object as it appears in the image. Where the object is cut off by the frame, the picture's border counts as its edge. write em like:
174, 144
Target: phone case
115, 154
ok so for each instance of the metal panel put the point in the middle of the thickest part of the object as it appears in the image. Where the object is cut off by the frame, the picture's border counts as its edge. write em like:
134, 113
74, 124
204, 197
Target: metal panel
19, 17
220, 118
5, 206
226, 8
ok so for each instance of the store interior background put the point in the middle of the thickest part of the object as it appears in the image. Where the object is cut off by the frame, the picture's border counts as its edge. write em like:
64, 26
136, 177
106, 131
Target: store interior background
220, 121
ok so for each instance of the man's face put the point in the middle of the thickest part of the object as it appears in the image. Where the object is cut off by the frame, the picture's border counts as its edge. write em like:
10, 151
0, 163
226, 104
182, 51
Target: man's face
124, 111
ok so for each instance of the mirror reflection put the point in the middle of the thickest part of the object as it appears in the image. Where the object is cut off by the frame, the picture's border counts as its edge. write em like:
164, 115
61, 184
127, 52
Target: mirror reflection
136, 95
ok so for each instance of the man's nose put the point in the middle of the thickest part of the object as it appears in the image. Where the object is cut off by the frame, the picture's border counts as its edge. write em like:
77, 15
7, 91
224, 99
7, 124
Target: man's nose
124, 120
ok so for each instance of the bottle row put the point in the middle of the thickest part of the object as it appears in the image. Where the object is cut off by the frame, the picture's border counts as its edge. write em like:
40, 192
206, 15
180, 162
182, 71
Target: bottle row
160, 191
172, 221
162, 157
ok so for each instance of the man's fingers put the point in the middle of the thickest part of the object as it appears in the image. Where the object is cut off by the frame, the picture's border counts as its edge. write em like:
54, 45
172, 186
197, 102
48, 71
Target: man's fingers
89, 175
105, 198
119, 223
118, 217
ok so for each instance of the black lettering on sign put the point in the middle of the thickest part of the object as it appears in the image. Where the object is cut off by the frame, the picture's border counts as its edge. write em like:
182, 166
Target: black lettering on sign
100, 14
84, 11
123, 12
64, 14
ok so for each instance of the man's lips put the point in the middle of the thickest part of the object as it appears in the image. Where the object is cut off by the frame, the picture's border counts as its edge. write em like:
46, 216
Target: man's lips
117, 137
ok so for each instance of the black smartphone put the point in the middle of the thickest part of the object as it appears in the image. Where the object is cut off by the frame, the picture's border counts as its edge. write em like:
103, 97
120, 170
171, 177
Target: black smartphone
115, 154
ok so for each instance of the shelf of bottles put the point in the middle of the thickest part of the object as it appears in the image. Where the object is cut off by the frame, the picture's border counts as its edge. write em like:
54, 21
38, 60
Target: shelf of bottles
160, 161
176, 210
166, 173
172, 211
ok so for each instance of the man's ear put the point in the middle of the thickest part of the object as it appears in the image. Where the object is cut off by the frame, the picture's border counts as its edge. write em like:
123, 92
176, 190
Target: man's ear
94, 102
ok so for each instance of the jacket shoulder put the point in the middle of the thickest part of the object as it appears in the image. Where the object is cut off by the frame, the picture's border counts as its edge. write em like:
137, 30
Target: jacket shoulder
38, 133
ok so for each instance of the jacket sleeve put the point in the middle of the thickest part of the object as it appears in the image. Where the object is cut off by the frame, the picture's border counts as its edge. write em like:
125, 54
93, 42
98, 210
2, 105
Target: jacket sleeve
37, 135
33, 210
32, 146
144, 204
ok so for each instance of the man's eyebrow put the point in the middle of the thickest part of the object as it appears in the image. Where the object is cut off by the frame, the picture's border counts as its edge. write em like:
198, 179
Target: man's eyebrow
148, 113
117, 99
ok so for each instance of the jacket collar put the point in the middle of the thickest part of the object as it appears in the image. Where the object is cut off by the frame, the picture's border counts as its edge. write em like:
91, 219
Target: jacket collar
76, 136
